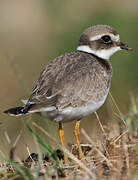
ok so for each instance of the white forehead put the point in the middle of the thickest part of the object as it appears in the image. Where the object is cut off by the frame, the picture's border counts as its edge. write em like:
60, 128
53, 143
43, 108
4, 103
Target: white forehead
113, 37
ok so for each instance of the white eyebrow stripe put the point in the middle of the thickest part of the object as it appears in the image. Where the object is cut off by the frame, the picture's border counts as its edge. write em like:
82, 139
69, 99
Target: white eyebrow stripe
113, 37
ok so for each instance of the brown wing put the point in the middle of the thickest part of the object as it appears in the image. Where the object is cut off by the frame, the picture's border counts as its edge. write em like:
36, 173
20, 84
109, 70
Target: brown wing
73, 79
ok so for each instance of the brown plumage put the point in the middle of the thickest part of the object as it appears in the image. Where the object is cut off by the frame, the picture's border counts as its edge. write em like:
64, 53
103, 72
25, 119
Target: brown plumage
71, 80
75, 79
75, 85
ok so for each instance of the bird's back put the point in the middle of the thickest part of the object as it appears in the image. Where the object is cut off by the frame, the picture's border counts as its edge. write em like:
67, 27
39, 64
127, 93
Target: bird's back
73, 80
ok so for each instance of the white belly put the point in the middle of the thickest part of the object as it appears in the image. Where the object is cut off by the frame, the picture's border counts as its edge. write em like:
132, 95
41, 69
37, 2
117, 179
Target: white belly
70, 113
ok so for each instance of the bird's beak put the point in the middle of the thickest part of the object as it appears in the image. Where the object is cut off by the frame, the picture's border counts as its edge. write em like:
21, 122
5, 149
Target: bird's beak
124, 46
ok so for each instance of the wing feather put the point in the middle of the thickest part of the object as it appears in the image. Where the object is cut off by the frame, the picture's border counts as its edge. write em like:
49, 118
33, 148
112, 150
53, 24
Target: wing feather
74, 79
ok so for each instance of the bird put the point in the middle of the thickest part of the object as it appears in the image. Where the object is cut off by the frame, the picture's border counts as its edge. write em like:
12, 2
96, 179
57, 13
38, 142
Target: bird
76, 84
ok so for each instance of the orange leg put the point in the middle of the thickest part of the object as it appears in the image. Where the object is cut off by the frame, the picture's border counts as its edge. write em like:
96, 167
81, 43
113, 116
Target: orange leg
61, 137
77, 136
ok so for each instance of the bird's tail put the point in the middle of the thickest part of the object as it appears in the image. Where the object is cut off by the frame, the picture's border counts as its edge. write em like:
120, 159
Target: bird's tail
18, 111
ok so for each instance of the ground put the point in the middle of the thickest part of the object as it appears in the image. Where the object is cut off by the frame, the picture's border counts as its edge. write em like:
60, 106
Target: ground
111, 158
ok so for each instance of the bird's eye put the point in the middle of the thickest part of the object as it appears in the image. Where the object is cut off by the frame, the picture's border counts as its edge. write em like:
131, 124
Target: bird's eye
106, 39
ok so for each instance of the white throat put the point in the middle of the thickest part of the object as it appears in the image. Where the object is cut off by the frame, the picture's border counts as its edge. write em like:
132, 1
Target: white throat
103, 53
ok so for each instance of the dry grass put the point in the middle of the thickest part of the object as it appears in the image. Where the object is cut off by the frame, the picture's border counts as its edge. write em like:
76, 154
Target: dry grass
112, 158
109, 156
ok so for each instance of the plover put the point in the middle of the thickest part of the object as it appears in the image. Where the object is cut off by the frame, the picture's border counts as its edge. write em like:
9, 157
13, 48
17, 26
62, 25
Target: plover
76, 84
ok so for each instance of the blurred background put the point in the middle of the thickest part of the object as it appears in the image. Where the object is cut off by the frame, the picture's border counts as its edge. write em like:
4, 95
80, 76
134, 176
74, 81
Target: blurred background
34, 32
